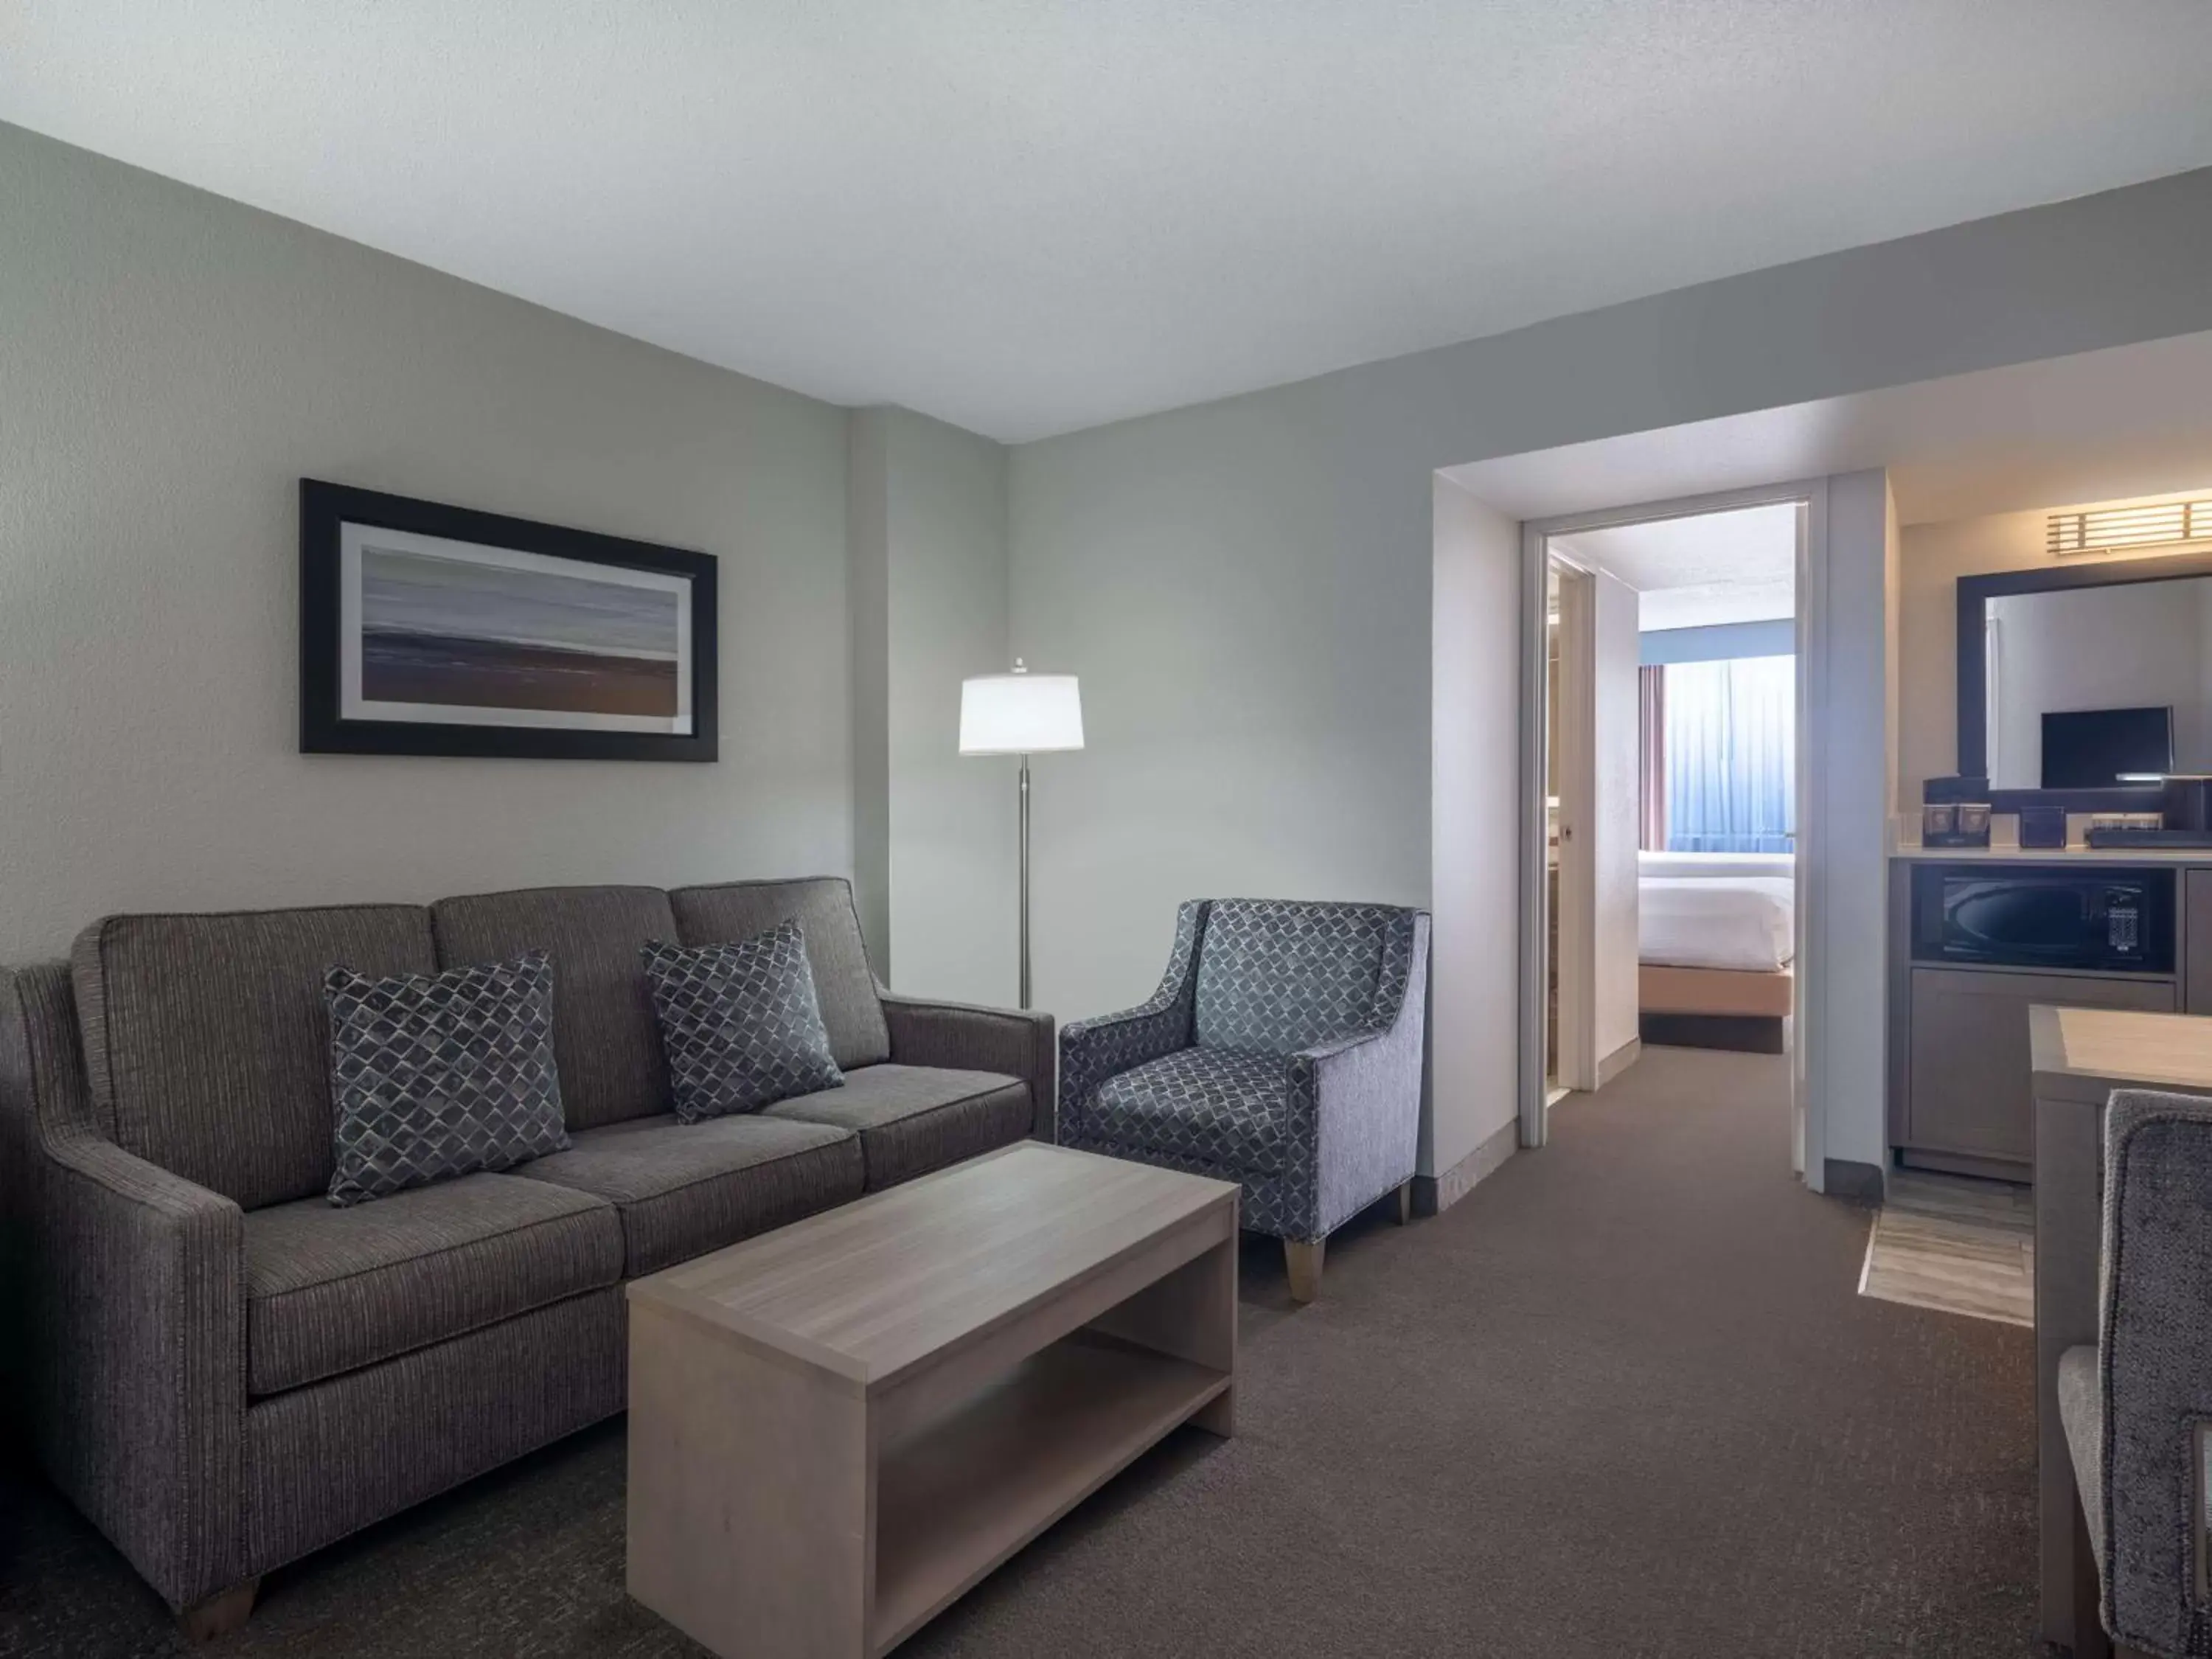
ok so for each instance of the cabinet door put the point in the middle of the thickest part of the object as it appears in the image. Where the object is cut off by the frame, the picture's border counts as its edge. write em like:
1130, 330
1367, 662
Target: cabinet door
1970, 1082
2196, 941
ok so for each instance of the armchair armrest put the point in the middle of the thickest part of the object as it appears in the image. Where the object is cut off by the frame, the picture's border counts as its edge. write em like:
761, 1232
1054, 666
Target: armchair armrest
974, 1038
2154, 1366
1354, 1103
134, 1297
1093, 1050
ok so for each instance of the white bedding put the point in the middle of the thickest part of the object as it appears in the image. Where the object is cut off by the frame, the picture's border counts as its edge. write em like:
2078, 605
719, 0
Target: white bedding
1782, 865
1707, 921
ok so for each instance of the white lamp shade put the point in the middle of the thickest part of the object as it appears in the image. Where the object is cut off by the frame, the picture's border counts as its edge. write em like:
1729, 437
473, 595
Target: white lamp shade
1020, 715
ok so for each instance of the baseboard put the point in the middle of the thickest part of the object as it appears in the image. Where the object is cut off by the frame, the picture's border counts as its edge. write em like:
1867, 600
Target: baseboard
1964, 1163
1853, 1183
1619, 1061
1750, 1034
1433, 1194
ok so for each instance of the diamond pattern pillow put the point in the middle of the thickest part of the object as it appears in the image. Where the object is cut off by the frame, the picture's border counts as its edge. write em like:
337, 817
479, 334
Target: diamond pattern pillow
434, 1076
740, 1021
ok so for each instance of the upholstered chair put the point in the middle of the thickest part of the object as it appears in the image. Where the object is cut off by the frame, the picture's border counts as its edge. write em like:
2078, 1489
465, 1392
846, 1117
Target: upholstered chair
2137, 1407
1282, 1051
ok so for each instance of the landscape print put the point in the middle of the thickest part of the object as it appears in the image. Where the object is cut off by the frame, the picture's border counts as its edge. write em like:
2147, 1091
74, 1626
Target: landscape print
535, 635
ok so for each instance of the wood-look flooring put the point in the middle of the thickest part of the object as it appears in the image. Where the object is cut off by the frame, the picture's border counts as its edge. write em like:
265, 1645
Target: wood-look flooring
1955, 1245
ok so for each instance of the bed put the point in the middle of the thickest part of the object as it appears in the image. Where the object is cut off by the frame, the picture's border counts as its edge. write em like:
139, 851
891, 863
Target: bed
1716, 943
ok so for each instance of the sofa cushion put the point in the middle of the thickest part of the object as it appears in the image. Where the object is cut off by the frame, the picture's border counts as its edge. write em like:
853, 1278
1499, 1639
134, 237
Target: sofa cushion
822, 907
1224, 1107
436, 1075
330, 1289
914, 1119
684, 1188
1277, 976
740, 1023
206, 1044
604, 1033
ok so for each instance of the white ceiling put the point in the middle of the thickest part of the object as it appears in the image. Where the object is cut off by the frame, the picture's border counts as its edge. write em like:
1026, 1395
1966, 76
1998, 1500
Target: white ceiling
1694, 572
1029, 217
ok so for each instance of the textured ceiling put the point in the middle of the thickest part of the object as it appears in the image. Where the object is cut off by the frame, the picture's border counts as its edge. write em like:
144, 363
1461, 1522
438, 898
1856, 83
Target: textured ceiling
1027, 217
1715, 567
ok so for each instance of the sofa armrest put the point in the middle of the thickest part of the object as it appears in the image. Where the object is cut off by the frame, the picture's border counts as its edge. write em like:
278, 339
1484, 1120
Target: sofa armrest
1354, 1103
134, 1310
973, 1038
1093, 1050
2154, 1365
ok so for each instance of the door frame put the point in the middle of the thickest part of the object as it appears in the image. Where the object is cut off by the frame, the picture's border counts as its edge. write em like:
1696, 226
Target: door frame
1573, 766
1809, 1121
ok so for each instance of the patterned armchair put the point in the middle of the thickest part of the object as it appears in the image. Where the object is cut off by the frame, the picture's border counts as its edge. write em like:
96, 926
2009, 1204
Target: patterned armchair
1282, 1051
2137, 1407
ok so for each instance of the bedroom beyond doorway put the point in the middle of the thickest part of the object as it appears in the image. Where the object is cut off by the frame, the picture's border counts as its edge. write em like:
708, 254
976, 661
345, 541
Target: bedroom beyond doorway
1675, 760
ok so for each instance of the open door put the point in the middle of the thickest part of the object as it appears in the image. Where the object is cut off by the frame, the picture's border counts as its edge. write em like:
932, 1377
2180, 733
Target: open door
1571, 789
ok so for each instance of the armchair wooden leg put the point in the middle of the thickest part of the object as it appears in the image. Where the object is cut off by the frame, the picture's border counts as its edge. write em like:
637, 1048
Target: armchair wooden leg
1405, 1202
220, 1614
1304, 1261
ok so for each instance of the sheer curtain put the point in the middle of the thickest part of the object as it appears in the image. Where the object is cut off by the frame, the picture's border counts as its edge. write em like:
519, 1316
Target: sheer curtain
1731, 755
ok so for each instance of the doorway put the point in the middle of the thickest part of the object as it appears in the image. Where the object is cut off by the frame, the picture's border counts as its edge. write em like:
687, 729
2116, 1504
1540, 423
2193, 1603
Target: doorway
1696, 929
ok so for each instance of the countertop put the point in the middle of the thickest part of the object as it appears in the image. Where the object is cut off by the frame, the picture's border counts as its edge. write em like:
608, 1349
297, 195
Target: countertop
2056, 855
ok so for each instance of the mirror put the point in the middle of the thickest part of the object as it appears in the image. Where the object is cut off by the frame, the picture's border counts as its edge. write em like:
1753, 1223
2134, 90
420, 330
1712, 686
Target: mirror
2070, 676
2082, 685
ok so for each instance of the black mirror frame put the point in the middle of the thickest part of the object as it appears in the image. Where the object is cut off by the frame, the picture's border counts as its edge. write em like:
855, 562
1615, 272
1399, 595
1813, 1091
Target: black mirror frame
1974, 594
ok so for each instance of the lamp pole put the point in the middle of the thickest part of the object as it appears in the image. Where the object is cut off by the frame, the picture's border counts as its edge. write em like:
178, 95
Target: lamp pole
1025, 882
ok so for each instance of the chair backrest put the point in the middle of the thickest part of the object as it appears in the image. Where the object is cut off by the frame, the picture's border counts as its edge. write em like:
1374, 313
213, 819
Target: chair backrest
844, 984
1277, 975
2155, 1363
205, 1039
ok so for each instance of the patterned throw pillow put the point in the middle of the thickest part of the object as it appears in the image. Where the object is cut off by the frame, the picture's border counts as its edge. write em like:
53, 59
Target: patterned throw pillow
434, 1076
740, 1022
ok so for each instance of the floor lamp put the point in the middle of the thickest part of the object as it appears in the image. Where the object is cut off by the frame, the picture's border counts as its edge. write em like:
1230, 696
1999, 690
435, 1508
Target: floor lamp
1021, 714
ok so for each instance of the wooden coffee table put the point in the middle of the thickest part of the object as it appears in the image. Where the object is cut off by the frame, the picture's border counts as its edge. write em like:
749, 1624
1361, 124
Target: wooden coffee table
838, 1428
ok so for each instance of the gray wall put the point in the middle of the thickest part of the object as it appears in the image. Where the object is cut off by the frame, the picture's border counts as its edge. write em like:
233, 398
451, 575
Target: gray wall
1717, 642
1843, 863
929, 540
1474, 968
171, 363
1243, 585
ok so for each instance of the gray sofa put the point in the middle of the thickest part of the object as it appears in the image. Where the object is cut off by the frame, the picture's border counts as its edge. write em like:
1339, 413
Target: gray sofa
225, 1372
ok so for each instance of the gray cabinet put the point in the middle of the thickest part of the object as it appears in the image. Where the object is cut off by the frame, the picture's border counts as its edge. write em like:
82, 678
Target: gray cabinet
2196, 941
1969, 1097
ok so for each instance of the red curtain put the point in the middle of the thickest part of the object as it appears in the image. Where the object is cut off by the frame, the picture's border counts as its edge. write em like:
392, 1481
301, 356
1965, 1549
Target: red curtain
1651, 758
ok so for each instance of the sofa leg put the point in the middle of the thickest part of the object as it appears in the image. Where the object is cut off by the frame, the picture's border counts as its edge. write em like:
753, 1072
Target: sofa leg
220, 1614
1405, 1203
1304, 1261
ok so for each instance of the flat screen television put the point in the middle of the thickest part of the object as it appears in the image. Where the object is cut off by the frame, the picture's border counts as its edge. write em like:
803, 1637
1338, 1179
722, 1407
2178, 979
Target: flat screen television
2088, 748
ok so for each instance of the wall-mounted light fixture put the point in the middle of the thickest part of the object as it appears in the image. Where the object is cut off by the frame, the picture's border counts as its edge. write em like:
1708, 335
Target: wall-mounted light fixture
2102, 529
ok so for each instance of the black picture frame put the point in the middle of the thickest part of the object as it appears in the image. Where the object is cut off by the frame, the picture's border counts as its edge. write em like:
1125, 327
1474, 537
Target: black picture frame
326, 508
1974, 593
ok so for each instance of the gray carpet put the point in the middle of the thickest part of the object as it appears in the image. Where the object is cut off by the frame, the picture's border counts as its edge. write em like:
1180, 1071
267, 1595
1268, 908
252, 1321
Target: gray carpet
1622, 1401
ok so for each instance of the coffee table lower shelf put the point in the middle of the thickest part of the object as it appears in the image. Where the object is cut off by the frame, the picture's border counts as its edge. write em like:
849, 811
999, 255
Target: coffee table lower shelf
959, 1495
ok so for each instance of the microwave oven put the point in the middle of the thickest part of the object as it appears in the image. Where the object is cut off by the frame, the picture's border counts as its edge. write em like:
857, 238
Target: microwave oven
2103, 920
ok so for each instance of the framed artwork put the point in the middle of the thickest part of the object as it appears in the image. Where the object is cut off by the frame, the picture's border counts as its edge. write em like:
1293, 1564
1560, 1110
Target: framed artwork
426, 629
